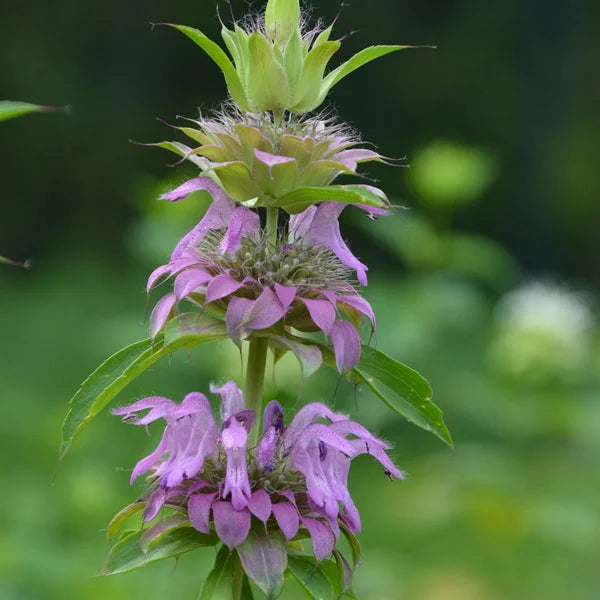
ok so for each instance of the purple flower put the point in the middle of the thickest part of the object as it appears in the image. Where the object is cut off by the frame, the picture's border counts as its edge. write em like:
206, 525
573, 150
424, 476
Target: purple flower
294, 477
303, 280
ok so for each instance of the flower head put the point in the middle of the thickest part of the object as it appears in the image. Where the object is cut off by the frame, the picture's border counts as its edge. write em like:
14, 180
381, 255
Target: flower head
301, 280
287, 162
279, 62
295, 477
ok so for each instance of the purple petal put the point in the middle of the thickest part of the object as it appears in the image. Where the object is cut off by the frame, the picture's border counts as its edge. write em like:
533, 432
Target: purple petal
325, 434
363, 447
272, 159
154, 503
199, 485
346, 345
360, 304
286, 295
161, 313
232, 525
321, 312
199, 511
267, 310
191, 186
189, 280
351, 158
325, 230
171, 268
232, 399
300, 224
347, 428
233, 439
305, 417
287, 519
310, 356
260, 505
322, 537
217, 216
221, 286
272, 428
160, 406
243, 222
237, 316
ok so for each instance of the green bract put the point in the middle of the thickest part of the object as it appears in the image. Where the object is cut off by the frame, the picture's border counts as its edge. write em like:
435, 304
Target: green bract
277, 66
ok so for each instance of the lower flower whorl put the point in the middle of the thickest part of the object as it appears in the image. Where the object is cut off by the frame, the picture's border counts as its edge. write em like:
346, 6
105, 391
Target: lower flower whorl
294, 478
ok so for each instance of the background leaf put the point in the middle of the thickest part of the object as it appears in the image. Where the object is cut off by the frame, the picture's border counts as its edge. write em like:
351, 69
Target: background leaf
12, 110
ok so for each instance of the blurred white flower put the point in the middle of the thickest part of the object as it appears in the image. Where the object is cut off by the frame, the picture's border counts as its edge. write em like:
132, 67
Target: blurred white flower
543, 332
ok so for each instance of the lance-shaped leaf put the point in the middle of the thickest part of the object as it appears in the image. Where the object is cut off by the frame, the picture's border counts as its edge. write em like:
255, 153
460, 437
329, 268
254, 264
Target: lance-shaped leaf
119, 520
234, 84
354, 545
313, 578
300, 199
218, 584
128, 555
121, 369
12, 110
264, 558
404, 390
358, 60
152, 535
268, 86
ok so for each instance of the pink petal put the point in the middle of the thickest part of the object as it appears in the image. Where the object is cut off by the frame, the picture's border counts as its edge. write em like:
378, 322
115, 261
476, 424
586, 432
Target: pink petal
161, 313
221, 286
154, 504
322, 537
286, 295
232, 525
188, 281
321, 312
260, 505
287, 519
351, 158
271, 159
306, 416
346, 345
232, 399
195, 185
267, 310
199, 511
360, 304
237, 316
243, 222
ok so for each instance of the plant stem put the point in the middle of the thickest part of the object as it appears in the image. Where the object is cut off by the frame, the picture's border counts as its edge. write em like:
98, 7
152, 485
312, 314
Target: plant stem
255, 379
271, 229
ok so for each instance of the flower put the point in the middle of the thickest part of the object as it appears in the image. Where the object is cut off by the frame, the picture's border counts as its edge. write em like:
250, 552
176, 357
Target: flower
278, 63
227, 265
295, 477
289, 163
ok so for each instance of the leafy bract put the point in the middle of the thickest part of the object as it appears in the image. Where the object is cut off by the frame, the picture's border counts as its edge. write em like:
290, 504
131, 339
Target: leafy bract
313, 577
128, 554
300, 199
218, 584
232, 79
122, 368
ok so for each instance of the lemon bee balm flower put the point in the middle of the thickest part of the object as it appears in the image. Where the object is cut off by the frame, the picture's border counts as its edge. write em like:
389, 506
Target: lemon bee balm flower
278, 65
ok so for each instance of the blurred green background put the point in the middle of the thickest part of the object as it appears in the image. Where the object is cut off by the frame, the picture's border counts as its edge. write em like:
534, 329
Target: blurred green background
487, 283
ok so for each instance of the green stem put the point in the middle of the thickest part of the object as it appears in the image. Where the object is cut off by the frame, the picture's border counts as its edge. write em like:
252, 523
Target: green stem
255, 379
271, 230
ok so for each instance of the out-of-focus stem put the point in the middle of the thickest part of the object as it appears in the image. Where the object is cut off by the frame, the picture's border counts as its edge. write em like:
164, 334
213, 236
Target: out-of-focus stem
271, 229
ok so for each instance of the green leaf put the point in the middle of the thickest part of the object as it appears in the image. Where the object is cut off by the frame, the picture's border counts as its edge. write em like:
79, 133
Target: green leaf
128, 555
120, 370
152, 535
221, 59
218, 584
268, 86
121, 518
12, 110
293, 59
282, 18
358, 60
308, 90
311, 577
264, 558
404, 390
300, 199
